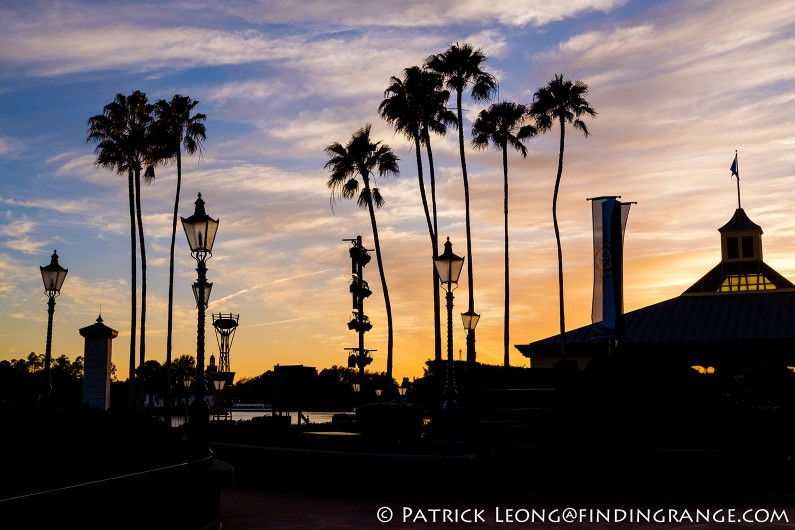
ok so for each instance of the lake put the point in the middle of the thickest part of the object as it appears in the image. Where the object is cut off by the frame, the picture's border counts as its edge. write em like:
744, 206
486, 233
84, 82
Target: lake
313, 416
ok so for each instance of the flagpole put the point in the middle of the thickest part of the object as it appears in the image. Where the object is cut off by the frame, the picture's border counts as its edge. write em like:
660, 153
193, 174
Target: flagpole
737, 174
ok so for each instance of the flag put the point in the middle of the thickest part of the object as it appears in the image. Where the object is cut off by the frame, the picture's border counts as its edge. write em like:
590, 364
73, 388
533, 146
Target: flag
609, 222
734, 169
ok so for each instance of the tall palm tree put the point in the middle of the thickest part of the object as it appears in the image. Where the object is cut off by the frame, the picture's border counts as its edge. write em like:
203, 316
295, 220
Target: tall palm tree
360, 157
124, 144
179, 130
503, 125
414, 106
461, 66
561, 100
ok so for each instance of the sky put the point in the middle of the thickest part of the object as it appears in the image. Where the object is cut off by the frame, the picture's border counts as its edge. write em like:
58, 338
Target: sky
678, 87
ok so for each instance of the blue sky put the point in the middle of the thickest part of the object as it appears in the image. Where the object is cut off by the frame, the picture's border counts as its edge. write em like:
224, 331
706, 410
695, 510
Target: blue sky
678, 86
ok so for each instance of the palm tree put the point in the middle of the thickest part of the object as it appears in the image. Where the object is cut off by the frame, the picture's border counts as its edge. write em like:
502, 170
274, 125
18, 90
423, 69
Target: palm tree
179, 129
503, 125
561, 100
460, 66
361, 157
125, 145
415, 105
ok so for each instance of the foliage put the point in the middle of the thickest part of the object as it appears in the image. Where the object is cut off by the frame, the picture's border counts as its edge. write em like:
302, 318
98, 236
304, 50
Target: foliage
461, 66
504, 124
126, 143
176, 129
563, 101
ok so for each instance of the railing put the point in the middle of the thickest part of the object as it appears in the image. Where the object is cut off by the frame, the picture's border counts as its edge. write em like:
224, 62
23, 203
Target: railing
182, 496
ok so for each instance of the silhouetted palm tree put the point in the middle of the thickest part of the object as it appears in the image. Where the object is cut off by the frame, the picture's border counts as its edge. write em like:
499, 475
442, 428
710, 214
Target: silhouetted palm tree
125, 145
179, 129
361, 157
502, 125
561, 100
415, 105
461, 66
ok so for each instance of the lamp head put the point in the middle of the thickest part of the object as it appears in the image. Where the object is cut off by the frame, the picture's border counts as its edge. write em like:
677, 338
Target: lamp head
470, 319
53, 276
200, 230
448, 265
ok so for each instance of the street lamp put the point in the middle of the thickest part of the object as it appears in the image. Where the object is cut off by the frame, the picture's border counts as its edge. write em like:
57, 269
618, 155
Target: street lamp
53, 276
449, 266
470, 319
187, 382
218, 383
200, 230
403, 388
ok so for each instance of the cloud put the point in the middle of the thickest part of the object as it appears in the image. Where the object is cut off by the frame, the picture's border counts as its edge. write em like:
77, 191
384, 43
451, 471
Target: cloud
10, 147
418, 13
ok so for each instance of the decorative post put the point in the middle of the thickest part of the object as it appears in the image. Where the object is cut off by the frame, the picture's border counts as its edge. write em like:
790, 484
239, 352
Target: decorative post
360, 356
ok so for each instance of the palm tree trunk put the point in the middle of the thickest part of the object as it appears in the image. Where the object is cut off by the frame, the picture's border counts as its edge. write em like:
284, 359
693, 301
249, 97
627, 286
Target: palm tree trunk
557, 239
506, 325
170, 322
383, 280
470, 282
431, 231
437, 308
142, 345
133, 288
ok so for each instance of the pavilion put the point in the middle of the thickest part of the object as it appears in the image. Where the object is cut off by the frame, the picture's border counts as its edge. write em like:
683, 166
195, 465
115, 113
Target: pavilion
737, 318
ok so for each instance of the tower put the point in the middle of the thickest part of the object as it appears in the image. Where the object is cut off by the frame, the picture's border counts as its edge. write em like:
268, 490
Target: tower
97, 363
225, 325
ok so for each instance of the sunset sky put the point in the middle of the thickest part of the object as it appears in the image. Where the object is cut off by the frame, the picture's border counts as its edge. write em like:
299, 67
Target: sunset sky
678, 86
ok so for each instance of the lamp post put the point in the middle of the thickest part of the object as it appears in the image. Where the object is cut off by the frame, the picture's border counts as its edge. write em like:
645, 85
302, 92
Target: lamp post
219, 384
53, 276
449, 266
187, 382
470, 319
200, 230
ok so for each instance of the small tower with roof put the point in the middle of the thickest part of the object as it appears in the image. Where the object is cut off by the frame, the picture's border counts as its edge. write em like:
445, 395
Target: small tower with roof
97, 363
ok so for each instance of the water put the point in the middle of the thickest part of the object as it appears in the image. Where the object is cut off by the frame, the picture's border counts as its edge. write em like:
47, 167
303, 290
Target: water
314, 417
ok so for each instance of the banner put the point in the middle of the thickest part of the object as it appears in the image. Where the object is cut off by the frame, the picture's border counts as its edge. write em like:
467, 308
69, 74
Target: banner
607, 311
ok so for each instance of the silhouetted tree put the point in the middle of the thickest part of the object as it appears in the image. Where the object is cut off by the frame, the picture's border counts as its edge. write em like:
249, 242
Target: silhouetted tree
415, 105
179, 130
561, 100
461, 66
360, 157
125, 144
502, 125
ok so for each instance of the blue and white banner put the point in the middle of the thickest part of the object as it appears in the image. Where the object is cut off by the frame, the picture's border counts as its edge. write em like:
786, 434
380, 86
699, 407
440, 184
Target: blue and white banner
609, 221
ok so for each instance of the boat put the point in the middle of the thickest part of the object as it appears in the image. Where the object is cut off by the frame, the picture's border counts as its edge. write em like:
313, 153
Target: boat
250, 407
